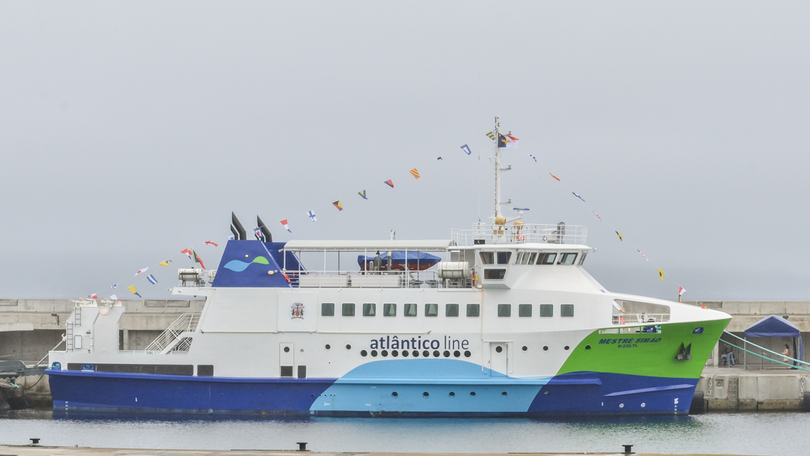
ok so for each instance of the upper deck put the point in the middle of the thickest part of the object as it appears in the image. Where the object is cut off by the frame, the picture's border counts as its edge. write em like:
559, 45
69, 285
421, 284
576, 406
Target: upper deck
520, 233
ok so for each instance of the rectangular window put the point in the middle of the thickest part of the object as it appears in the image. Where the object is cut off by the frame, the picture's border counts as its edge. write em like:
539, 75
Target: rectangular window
410, 310
582, 258
205, 370
488, 257
504, 310
302, 371
567, 258
328, 309
494, 273
525, 310
431, 310
348, 309
546, 258
473, 310
503, 257
546, 310
566, 310
451, 310
389, 310
532, 258
369, 309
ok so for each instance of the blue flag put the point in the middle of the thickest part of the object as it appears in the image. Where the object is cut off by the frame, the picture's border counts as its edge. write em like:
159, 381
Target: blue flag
151, 279
466, 149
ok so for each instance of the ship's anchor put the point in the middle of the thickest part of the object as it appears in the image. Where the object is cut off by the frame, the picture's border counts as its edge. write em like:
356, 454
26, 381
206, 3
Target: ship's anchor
685, 353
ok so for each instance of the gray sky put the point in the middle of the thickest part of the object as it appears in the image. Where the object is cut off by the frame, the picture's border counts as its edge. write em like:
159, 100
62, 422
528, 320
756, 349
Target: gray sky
130, 131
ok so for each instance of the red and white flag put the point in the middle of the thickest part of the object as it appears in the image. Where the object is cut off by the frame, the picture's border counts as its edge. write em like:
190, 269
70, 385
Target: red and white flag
681, 291
211, 243
286, 225
188, 252
141, 270
92, 296
642, 254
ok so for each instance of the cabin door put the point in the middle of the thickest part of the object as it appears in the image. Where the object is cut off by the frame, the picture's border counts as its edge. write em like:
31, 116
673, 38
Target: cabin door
286, 359
499, 358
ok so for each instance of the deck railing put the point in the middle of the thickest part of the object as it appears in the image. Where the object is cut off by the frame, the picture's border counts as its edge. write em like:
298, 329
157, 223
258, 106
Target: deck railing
186, 322
520, 234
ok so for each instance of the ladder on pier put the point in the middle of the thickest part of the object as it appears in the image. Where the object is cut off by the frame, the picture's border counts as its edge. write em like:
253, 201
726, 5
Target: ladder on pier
731, 391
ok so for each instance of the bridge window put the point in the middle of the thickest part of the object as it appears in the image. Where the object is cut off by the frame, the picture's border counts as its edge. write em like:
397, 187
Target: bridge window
546, 258
532, 258
410, 310
488, 257
431, 310
328, 309
525, 310
496, 274
504, 310
369, 309
567, 258
503, 257
389, 310
582, 258
566, 310
546, 310
451, 310
348, 309
473, 310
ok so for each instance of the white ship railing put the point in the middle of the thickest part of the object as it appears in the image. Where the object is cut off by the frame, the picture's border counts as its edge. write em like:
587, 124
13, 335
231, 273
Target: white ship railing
640, 318
520, 234
186, 322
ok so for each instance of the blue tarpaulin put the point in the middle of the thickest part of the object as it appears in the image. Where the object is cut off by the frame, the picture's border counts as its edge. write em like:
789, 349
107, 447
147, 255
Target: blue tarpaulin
772, 326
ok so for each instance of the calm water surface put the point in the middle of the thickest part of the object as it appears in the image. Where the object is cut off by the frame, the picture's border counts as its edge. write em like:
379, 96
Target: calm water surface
779, 434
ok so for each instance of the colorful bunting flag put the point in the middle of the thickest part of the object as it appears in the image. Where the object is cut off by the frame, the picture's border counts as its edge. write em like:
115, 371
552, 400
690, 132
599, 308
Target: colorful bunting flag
661, 274
134, 291
340, 206
439, 158
164, 263
507, 141
363, 194
197, 259
642, 254
620, 236
466, 149
258, 232
211, 243
577, 195
681, 291
389, 183
533, 158
114, 286
151, 279
415, 173
187, 252
232, 238
286, 225
92, 296
114, 298
703, 306
555, 177
311, 215
491, 135
597, 216
140, 271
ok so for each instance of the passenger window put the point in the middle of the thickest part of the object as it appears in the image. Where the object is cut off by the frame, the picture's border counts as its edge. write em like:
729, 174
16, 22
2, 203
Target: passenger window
328, 309
503, 257
494, 273
546, 258
567, 258
389, 310
546, 310
348, 309
532, 258
473, 310
431, 310
488, 257
369, 309
410, 310
525, 310
504, 310
566, 310
451, 310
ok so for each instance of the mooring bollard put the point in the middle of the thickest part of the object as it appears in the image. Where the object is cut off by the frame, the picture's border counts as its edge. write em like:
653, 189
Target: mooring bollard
34, 440
302, 446
628, 449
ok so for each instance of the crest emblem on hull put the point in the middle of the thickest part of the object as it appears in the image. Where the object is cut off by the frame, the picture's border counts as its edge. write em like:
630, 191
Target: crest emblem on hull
297, 310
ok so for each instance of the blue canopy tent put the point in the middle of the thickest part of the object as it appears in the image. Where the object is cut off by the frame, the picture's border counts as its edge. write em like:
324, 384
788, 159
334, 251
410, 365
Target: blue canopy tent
416, 261
776, 326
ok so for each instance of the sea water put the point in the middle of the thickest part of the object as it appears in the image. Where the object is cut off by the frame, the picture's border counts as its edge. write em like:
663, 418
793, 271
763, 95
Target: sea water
751, 433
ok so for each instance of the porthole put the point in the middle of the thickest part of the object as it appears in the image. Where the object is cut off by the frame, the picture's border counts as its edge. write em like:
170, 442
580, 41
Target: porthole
446, 353
456, 353
416, 353
363, 353
472, 393
394, 394
452, 394
384, 353
587, 347
394, 353
467, 354
328, 346
545, 348
374, 353
503, 393
525, 348
286, 349
426, 354
404, 353
425, 394
498, 349
436, 353
567, 347
348, 347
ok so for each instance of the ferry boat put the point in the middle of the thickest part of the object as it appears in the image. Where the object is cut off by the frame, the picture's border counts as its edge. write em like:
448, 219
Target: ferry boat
498, 320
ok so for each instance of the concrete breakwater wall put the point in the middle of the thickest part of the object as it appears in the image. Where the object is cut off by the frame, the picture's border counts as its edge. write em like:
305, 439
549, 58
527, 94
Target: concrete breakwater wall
737, 390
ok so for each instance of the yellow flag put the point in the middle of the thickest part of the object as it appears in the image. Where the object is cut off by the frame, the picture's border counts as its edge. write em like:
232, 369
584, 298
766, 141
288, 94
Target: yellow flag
415, 173
134, 291
620, 236
661, 273
165, 263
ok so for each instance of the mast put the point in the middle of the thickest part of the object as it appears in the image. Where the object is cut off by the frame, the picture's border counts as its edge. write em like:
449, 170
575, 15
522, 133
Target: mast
497, 168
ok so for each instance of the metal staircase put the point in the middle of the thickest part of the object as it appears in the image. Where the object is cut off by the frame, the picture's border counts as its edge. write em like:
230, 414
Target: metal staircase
163, 343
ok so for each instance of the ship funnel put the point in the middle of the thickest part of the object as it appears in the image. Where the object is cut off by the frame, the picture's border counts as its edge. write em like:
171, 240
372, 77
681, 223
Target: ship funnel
237, 229
265, 232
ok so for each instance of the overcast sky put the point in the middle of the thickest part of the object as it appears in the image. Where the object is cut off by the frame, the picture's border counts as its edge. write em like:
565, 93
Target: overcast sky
130, 131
